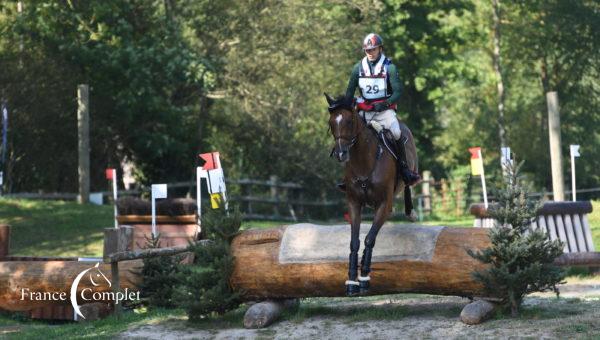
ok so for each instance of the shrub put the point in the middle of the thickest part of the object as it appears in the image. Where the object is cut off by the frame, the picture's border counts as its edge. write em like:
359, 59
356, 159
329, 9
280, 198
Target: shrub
519, 263
204, 288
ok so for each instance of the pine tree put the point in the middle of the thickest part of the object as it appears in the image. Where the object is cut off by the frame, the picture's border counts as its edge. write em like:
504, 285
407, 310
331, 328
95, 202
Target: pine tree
160, 276
204, 287
520, 259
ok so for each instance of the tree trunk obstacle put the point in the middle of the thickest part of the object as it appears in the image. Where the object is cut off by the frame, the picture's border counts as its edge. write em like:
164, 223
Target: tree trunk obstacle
306, 260
55, 276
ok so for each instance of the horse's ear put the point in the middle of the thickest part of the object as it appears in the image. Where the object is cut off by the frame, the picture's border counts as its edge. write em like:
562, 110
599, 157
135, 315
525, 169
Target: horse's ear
329, 99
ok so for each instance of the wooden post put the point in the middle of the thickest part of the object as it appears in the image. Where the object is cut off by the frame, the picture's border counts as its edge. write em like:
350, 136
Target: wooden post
116, 286
83, 128
300, 196
459, 190
116, 241
274, 194
426, 192
555, 149
4, 240
444, 195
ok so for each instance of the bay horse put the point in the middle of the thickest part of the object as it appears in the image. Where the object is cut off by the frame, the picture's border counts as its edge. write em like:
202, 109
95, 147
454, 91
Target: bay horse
370, 178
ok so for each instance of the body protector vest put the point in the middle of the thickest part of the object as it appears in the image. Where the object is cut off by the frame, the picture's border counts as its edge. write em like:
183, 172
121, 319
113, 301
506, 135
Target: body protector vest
373, 81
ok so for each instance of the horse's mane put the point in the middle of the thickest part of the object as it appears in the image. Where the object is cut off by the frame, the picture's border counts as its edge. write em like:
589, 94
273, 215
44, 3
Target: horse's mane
342, 102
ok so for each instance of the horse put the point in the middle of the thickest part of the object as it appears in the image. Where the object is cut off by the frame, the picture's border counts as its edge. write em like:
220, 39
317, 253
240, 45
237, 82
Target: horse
370, 178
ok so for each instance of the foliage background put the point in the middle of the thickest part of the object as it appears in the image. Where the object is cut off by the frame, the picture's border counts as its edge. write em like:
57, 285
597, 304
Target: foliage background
172, 78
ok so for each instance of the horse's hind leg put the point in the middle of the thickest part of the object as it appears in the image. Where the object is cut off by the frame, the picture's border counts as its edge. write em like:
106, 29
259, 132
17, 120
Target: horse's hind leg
381, 215
352, 283
408, 204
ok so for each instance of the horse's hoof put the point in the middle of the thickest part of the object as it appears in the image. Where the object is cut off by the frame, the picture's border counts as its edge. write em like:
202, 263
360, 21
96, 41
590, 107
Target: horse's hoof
412, 216
352, 288
363, 287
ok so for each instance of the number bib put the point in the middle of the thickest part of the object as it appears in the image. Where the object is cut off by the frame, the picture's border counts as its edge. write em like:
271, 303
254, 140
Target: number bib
373, 88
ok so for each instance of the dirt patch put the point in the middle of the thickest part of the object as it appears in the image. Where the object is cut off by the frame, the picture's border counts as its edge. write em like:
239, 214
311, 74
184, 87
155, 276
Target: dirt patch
574, 315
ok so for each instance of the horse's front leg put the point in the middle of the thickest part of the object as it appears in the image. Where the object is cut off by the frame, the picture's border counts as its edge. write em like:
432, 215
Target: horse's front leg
355, 217
381, 214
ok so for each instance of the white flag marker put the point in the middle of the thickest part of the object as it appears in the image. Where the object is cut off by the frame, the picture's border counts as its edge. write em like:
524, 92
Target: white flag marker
158, 191
505, 160
485, 200
574, 153
111, 175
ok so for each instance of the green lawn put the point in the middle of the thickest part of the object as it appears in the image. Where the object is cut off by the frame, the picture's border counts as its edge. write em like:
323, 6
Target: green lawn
56, 228
594, 218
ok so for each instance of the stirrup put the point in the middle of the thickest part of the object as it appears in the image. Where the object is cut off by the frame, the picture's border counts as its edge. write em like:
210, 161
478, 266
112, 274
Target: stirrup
409, 177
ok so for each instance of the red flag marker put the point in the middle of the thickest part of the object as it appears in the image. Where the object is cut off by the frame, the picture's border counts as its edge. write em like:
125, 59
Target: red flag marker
347, 218
474, 152
109, 173
211, 159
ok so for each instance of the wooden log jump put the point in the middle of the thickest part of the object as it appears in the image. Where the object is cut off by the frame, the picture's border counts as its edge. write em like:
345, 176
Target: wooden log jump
305, 260
54, 277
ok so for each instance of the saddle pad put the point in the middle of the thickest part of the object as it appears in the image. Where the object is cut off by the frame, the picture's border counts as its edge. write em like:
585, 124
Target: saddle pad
311, 243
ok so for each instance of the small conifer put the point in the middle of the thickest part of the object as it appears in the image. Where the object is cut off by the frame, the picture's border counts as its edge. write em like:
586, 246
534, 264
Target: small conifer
520, 259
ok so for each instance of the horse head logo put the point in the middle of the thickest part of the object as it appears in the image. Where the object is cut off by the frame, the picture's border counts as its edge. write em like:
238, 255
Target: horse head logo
96, 277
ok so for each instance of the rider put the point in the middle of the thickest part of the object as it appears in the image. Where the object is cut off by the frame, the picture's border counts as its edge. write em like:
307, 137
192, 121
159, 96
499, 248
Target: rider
380, 88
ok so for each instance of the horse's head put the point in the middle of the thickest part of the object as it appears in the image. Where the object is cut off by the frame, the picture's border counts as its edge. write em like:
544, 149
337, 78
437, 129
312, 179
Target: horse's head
343, 124
97, 276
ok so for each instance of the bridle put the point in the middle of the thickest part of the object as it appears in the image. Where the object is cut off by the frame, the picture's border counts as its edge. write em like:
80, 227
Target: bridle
352, 141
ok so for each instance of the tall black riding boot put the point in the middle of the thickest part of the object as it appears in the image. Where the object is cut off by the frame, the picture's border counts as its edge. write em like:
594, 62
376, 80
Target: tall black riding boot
409, 177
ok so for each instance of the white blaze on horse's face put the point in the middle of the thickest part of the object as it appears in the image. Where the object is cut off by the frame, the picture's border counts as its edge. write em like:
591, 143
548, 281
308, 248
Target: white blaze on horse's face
341, 150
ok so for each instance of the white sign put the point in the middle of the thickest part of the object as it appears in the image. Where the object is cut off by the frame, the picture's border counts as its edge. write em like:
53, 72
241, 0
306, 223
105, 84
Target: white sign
505, 160
159, 191
216, 181
574, 150
574, 153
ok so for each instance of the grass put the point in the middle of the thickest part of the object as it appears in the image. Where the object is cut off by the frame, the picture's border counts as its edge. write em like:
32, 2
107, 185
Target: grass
55, 228
594, 219
106, 328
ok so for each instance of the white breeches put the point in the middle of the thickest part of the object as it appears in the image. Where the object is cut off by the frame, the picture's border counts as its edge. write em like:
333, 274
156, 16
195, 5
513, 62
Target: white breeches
386, 118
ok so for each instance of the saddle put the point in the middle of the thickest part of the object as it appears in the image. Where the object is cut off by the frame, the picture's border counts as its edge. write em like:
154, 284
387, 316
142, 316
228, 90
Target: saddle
386, 140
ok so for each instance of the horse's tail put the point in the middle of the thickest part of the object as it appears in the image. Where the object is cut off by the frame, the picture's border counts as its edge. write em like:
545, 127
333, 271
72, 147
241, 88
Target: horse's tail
408, 207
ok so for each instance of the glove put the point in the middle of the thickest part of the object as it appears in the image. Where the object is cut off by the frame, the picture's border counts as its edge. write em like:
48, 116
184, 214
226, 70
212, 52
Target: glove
381, 106
376, 125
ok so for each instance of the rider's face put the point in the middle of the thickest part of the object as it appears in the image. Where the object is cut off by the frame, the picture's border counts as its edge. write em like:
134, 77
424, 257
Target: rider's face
373, 53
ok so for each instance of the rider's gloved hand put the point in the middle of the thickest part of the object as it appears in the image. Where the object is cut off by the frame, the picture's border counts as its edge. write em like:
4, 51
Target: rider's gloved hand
381, 106
376, 125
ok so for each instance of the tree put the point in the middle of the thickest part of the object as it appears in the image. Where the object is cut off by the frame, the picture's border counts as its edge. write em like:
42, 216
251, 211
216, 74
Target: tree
519, 259
146, 85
